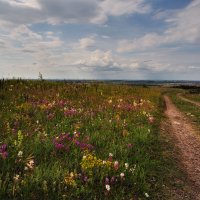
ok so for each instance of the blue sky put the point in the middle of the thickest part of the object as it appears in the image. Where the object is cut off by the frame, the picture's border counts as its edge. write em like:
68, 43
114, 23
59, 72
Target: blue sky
100, 39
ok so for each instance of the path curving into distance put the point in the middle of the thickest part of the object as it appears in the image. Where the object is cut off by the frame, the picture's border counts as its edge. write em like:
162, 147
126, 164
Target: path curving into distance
188, 142
188, 100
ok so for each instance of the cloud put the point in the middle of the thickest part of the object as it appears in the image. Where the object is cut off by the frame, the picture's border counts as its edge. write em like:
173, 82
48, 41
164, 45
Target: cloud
24, 3
25, 46
67, 55
184, 27
97, 58
125, 7
119, 8
16, 15
67, 11
84, 43
143, 43
2, 44
49, 52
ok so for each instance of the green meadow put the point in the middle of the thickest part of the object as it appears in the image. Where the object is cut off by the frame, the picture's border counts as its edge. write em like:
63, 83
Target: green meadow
82, 141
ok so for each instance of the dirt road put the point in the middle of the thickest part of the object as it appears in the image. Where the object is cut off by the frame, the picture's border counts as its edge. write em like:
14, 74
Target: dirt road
188, 142
188, 100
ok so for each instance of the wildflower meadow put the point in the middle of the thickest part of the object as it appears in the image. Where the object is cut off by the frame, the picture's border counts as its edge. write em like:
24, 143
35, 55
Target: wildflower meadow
63, 140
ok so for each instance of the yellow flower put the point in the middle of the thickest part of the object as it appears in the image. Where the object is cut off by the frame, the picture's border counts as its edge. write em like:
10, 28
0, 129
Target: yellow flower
90, 162
70, 179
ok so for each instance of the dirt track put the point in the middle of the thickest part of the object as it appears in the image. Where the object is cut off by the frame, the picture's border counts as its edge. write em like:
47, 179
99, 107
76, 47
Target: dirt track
188, 100
188, 142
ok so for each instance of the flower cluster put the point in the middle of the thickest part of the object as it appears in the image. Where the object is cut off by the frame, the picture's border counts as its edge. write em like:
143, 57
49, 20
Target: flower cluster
70, 112
90, 162
65, 141
70, 179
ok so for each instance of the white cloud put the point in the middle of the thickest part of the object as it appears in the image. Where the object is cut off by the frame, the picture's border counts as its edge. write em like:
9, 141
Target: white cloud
184, 28
97, 58
84, 43
24, 47
148, 41
24, 3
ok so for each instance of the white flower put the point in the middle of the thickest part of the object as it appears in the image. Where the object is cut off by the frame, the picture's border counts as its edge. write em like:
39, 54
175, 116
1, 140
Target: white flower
122, 175
37, 121
110, 155
146, 195
110, 101
30, 164
108, 187
25, 168
20, 153
104, 162
132, 169
84, 157
16, 177
126, 165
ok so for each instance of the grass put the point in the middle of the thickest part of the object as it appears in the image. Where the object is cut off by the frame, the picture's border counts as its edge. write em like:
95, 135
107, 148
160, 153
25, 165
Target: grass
82, 141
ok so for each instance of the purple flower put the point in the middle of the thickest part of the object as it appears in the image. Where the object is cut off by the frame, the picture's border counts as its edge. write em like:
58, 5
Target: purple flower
3, 147
3, 151
129, 145
107, 181
77, 143
59, 146
65, 140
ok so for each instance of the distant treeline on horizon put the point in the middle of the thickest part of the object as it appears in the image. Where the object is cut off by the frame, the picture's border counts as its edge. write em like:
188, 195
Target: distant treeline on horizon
134, 82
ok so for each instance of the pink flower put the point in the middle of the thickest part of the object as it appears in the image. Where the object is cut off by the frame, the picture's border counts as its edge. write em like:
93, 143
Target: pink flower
151, 119
116, 165
129, 145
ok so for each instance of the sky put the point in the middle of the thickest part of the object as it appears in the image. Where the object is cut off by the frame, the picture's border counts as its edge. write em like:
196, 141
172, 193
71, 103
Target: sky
100, 39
